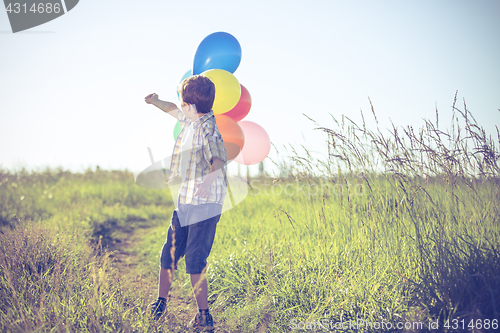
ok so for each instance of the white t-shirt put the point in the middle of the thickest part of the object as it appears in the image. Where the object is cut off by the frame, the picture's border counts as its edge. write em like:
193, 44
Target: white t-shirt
186, 146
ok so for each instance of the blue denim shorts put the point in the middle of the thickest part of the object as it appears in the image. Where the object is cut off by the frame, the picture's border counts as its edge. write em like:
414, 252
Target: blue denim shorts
191, 239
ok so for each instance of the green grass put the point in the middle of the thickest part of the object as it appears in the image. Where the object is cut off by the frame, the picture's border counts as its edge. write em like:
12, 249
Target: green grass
358, 257
275, 258
394, 242
54, 272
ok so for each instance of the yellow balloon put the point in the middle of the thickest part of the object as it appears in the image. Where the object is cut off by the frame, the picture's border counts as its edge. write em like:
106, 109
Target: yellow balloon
227, 89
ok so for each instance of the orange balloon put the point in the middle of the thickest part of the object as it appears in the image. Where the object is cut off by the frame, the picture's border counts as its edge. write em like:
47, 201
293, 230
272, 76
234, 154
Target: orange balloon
232, 134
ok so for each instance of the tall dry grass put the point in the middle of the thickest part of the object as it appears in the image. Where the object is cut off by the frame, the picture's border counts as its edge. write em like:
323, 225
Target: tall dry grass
446, 183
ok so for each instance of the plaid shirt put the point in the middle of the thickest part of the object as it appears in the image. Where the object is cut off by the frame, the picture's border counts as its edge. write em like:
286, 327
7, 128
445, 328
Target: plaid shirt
207, 144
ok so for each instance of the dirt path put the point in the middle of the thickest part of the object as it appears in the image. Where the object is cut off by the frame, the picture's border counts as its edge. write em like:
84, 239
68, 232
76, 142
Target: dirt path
181, 306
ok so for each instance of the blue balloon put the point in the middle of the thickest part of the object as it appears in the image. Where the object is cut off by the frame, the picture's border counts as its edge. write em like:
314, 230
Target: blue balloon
219, 50
185, 76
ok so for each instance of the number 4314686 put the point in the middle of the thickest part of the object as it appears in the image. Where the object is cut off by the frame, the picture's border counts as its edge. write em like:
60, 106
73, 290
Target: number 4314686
472, 324
48, 8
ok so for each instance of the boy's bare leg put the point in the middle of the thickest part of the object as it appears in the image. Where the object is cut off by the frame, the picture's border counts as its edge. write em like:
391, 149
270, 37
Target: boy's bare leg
166, 278
200, 289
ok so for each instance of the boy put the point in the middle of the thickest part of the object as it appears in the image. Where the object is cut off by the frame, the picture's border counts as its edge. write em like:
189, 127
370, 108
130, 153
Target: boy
199, 155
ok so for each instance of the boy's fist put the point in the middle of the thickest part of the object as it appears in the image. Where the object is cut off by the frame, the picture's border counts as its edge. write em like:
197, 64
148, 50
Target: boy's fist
202, 190
151, 98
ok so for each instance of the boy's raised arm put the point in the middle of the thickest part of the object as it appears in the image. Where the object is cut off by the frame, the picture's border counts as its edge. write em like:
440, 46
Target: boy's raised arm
167, 107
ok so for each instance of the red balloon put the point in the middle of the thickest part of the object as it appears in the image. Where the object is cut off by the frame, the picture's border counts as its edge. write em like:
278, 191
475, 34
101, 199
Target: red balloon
242, 108
232, 134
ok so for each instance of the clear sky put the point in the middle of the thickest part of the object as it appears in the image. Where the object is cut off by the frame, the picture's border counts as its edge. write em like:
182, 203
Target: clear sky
72, 90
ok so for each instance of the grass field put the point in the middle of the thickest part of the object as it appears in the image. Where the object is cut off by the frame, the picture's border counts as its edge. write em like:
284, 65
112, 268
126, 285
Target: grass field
391, 229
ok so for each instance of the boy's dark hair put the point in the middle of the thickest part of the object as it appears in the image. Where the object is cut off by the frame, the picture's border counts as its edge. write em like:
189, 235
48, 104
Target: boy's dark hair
198, 90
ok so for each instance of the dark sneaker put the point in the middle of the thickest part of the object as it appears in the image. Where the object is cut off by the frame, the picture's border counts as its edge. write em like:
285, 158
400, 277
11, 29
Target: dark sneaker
158, 308
203, 322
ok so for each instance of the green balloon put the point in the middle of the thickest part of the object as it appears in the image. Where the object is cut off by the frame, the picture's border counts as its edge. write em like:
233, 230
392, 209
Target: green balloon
177, 130
185, 76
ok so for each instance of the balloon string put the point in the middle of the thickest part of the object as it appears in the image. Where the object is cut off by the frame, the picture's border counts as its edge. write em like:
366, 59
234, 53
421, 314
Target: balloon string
151, 155
230, 194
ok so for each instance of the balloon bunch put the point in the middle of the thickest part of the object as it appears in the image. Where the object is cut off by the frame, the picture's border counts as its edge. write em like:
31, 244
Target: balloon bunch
217, 57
